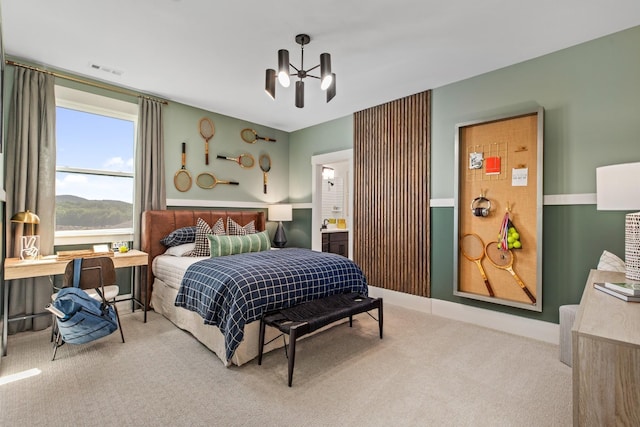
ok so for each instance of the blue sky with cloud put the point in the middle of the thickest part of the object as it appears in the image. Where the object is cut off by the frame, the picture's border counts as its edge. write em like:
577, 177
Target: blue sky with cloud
91, 141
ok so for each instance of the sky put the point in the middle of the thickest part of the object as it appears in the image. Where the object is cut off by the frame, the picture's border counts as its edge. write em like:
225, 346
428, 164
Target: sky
91, 141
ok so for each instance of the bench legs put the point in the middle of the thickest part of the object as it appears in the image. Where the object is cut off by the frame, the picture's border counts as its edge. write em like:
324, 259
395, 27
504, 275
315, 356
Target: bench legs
380, 316
261, 340
293, 336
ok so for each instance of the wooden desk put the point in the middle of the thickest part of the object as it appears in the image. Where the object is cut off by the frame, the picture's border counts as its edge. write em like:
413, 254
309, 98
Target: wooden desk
606, 357
15, 268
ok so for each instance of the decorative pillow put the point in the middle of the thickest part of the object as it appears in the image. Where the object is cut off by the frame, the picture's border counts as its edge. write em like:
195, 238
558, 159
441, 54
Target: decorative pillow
235, 229
611, 262
180, 236
202, 230
231, 245
181, 250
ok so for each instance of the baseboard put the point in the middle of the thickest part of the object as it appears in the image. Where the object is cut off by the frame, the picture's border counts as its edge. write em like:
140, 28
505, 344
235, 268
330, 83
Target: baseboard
530, 328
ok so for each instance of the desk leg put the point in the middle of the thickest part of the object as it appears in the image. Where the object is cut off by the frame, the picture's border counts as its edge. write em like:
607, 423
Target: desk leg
5, 316
144, 285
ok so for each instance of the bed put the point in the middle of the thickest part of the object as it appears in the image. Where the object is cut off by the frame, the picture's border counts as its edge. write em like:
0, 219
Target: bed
234, 336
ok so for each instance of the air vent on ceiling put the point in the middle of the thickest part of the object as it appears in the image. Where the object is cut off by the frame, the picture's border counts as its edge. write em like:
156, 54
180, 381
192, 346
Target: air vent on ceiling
105, 69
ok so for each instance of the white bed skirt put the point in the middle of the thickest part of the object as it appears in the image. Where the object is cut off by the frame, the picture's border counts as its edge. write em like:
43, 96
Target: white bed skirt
162, 301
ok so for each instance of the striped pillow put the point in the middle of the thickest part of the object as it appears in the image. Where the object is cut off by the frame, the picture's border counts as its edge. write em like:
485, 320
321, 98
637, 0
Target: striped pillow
231, 245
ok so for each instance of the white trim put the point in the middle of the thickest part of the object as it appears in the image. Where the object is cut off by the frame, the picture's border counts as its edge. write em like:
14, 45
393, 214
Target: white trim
509, 323
441, 203
412, 302
302, 205
3, 196
216, 203
90, 102
82, 237
228, 204
570, 199
548, 200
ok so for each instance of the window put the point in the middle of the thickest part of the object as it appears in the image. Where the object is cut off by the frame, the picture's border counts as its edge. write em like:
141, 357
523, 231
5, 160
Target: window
95, 144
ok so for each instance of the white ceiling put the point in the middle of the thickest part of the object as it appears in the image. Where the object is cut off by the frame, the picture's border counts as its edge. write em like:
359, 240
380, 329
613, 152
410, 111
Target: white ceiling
213, 54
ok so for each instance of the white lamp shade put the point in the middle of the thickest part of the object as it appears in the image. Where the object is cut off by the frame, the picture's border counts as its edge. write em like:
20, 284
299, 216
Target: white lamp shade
280, 213
618, 187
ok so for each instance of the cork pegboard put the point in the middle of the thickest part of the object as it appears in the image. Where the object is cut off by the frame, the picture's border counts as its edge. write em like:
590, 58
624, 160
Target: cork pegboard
499, 171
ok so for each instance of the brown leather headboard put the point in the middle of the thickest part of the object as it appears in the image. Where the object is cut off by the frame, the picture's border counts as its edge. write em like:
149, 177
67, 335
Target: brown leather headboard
157, 224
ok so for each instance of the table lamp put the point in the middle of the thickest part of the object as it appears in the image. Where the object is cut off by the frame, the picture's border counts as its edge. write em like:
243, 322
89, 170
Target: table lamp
618, 189
280, 213
30, 243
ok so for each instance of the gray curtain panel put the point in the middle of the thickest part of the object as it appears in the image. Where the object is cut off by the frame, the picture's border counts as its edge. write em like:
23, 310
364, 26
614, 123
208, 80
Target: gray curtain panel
151, 192
150, 174
30, 184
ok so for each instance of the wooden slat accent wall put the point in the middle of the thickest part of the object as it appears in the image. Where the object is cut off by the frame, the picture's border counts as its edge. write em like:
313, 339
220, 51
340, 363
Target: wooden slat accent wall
391, 194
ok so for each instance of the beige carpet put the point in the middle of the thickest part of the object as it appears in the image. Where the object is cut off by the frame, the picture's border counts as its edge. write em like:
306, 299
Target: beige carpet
427, 371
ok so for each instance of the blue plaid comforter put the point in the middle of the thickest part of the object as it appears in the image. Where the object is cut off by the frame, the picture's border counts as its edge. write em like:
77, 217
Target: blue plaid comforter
231, 291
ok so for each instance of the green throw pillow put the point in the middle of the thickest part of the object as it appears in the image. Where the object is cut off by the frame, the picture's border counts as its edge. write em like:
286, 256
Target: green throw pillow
231, 245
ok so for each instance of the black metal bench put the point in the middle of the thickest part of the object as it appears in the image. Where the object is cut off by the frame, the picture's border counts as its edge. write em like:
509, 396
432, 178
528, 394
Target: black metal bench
310, 316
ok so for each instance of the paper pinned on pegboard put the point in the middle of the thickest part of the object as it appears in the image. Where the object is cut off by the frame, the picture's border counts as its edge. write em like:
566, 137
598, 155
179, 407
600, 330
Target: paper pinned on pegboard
519, 177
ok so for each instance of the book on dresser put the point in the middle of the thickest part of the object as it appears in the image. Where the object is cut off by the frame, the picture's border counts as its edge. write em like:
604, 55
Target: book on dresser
602, 287
629, 288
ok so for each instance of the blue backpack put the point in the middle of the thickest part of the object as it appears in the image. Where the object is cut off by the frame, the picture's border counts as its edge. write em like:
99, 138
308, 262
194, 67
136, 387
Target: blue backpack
85, 319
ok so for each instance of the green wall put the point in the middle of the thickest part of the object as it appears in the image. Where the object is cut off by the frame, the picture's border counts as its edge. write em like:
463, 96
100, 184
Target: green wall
591, 97
181, 125
335, 135
328, 137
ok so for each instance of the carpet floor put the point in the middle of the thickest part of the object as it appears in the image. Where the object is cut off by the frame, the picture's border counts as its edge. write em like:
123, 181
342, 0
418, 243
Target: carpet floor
427, 371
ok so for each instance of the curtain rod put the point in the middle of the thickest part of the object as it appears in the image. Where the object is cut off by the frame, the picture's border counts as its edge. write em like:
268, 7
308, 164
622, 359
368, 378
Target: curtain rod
87, 82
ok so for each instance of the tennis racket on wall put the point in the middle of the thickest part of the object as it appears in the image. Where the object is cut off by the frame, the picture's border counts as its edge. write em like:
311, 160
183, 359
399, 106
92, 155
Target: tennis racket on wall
265, 165
208, 180
472, 248
504, 261
182, 178
207, 130
251, 136
245, 160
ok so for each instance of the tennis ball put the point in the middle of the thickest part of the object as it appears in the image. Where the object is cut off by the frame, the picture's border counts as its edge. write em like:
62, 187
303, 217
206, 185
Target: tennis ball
123, 249
516, 236
517, 244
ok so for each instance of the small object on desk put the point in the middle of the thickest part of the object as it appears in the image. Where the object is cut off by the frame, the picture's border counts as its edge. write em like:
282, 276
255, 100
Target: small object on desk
81, 253
624, 297
101, 248
628, 288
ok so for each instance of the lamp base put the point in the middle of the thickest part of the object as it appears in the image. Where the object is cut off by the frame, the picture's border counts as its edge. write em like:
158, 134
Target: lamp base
279, 239
632, 246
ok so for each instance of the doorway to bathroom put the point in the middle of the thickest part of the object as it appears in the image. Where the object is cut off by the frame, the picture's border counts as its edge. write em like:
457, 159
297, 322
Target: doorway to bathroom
332, 196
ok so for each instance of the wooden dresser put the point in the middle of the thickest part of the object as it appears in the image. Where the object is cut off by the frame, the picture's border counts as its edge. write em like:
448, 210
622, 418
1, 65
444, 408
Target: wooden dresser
606, 357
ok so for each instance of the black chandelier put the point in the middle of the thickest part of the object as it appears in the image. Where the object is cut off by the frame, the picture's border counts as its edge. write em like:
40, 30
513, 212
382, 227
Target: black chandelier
327, 78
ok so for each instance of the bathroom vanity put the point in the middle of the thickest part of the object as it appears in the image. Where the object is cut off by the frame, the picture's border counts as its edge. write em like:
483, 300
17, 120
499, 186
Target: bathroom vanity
336, 241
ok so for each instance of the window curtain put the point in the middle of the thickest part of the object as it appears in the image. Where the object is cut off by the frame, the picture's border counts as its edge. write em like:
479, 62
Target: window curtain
30, 184
151, 190
150, 176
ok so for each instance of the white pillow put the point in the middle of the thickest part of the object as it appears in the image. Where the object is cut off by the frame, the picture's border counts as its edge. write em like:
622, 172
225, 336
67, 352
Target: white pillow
180, 250
610, 262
